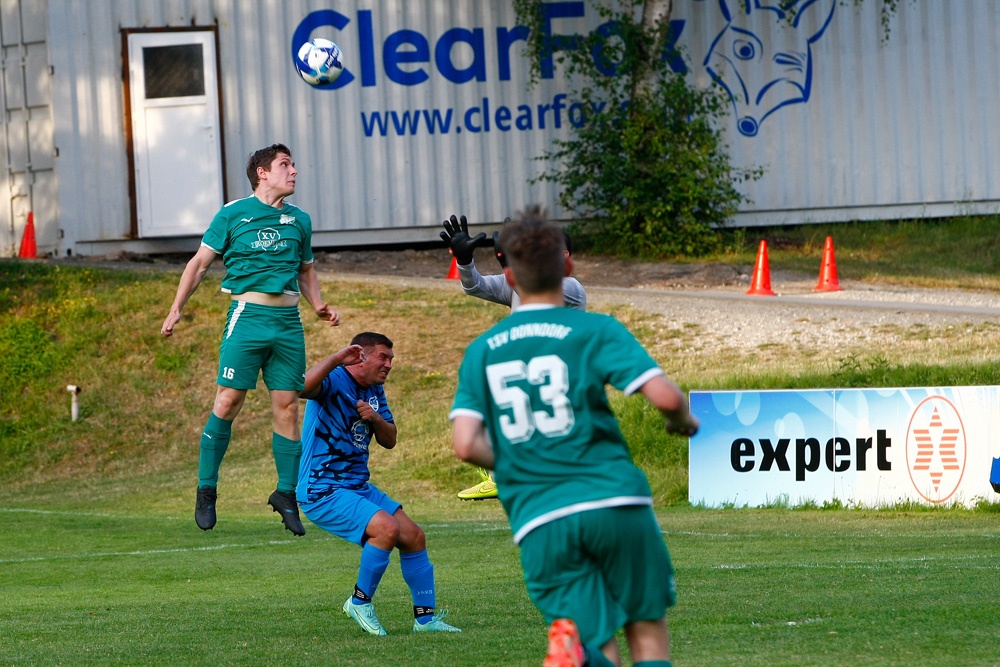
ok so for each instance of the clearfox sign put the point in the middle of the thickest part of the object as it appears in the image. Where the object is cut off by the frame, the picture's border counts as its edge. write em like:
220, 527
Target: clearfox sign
867, 447
457, 55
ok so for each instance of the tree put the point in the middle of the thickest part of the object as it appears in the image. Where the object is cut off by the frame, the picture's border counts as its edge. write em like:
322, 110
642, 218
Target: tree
645, 167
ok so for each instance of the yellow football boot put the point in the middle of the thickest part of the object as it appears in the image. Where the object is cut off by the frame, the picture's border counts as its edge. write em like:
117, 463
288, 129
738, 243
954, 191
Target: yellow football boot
485, 489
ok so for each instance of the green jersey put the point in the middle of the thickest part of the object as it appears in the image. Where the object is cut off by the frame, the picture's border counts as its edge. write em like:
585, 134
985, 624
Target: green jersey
537, 381
263, 247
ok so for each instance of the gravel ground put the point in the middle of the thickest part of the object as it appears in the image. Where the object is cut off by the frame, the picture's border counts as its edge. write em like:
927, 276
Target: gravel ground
876, 315
710, 300
703, 309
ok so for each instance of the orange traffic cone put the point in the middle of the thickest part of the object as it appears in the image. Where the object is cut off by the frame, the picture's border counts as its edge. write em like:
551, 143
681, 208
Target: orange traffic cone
828, 270
453, 271
761, 284
28, 248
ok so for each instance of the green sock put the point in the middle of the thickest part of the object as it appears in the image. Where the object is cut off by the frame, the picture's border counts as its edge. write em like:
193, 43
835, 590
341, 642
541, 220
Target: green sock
214, 443
652, 663
286, 459
594, 657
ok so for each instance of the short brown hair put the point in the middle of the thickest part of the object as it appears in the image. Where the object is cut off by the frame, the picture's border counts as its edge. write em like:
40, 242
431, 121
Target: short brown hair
536, 252
263, 158
369, 339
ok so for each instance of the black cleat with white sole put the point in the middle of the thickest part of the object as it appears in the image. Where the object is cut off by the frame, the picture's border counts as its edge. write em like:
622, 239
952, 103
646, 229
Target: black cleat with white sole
286, 505
204, 509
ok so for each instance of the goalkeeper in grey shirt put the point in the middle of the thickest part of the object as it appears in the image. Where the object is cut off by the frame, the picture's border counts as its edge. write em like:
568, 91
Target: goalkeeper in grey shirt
496, 289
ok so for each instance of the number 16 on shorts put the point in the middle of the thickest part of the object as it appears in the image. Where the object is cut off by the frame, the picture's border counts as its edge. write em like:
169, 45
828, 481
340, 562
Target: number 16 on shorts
228, 372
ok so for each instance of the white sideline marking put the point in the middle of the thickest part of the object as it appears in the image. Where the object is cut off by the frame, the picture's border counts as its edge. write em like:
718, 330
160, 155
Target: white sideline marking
877, 563
106, 554
104, 515
755, 536
481, 528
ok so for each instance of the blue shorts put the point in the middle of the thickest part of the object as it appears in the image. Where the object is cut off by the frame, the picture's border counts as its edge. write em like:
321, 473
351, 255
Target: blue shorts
346, 512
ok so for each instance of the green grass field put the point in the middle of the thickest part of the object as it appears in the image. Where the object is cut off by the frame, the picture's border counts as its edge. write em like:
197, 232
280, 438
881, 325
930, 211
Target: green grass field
112, 584
101, 563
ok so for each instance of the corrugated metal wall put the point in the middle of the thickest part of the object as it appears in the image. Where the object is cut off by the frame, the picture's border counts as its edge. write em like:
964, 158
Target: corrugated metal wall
359, 183
88, 97
350, 183
855, 127
26, 175
892, 128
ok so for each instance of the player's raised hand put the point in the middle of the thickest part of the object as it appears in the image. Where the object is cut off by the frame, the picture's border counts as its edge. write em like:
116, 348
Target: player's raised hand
352, 354
456, 235
325, 312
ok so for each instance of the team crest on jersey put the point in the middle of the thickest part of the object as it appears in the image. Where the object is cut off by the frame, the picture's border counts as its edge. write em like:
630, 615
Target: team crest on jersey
287, 219
269, 239
373, 402
360, 435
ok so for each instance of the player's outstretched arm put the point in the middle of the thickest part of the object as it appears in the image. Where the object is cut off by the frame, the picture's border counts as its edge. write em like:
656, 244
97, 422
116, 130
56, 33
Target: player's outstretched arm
348, 356
670, 400
309, 285
190, 279
470, 441
456, 235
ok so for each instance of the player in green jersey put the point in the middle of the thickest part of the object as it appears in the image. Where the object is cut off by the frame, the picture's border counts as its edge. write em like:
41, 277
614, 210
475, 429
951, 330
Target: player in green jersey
266, 245
531, 404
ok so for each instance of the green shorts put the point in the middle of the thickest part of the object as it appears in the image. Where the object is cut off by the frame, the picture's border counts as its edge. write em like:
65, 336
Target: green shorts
602, 568
262, 338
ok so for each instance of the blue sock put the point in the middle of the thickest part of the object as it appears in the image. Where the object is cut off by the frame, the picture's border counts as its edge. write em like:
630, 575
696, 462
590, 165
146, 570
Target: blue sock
373, 564
214, 443
418, 573
995, 475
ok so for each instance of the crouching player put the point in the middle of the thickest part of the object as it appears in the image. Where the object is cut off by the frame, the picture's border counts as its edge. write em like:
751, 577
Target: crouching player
534, 386
346, 407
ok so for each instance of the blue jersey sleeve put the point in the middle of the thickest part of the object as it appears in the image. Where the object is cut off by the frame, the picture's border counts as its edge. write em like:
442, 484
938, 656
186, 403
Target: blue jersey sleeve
383, 405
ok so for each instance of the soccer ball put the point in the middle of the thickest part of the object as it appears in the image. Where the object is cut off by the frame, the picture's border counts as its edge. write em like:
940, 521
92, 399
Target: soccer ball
318, 62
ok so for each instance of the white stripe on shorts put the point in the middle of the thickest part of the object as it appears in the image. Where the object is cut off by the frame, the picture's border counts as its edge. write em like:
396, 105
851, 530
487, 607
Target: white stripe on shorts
240, 305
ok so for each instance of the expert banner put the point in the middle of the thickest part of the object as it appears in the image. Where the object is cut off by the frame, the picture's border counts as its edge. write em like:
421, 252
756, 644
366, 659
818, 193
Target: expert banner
866, 447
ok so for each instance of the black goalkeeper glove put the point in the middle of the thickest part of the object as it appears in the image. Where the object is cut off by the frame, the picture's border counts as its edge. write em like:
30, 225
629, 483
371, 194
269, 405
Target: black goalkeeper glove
456, 235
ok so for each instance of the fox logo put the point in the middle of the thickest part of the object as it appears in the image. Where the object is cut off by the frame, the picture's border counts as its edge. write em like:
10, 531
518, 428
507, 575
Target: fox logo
760, 75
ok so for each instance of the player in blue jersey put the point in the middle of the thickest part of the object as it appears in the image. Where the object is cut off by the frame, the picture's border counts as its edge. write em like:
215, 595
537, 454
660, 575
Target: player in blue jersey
346, 407
266, 245
531, 404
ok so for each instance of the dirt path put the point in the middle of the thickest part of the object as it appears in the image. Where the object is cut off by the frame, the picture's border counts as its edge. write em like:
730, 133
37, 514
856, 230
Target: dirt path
703, 309
699, 310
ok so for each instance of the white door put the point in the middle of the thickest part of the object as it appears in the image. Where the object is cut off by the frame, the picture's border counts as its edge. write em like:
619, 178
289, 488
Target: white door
176, 132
